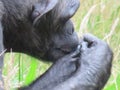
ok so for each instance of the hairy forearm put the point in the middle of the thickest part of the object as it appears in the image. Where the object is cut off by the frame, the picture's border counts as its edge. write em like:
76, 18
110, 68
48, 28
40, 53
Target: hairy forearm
87, 79
49, 80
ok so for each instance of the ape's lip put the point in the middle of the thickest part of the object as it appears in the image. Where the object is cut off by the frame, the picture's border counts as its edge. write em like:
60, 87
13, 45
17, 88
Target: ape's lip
68, 50
63, 50
78, 48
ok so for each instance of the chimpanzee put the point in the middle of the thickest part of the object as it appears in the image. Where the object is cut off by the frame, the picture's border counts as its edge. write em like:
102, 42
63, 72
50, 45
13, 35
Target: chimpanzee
43, 29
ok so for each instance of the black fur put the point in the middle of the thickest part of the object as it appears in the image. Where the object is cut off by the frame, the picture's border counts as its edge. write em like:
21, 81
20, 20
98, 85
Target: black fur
43, 29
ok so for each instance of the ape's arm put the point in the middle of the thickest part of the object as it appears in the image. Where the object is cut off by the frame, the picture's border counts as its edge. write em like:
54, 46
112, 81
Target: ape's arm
60, 71
91, 73
95, 69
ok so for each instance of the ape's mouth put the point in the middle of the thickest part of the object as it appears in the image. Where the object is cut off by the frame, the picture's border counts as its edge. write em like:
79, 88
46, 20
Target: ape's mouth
67, 49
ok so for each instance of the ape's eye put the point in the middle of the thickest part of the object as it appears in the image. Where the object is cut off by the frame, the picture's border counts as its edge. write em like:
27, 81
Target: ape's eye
71, 31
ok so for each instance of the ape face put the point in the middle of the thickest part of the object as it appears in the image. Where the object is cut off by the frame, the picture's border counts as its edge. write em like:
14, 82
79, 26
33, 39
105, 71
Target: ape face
55, 28
58, 39
62, 42
43, 30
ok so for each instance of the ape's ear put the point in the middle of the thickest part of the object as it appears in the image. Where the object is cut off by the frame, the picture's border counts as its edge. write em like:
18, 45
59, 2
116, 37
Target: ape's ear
68, 9
42, 8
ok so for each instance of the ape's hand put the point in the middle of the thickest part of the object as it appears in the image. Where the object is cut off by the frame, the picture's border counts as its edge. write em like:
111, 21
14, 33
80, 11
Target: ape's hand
59, 72
95, 66
96, 58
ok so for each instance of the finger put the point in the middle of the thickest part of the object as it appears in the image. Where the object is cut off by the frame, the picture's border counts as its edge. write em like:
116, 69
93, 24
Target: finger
84, 46
76, 52
74, 59
35, 14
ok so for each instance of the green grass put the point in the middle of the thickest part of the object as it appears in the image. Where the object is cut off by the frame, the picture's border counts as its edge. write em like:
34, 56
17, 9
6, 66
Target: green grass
20, 69
99, 17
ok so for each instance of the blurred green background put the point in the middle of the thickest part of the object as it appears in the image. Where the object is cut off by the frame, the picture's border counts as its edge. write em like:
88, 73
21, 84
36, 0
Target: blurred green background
99, 17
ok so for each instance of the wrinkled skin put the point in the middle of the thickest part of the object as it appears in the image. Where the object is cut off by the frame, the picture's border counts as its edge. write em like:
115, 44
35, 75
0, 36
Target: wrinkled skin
43, 29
